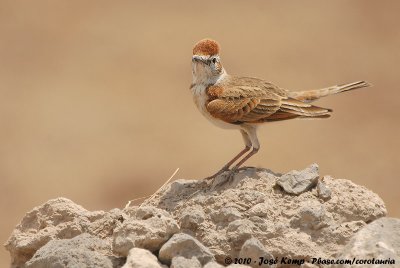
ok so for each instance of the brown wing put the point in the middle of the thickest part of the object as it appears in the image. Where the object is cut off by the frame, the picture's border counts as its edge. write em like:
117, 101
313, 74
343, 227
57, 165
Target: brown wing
244, 99
251, 100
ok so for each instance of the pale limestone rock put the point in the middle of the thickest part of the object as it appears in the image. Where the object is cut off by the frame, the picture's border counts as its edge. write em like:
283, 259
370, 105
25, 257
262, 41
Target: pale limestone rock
217, 220
142, 258
182, 262
186, 246
379, 240
58, 218
301, 226
297, 182
192, 218
213, 264
226, 214
239, 231
81, 251
323, 191
254, 250
150, 230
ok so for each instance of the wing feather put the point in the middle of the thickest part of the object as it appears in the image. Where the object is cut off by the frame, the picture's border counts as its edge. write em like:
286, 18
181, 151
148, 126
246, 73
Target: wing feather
250, 100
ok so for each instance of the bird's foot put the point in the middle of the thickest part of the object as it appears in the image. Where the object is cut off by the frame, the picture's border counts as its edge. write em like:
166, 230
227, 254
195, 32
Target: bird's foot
224, 169
227, 178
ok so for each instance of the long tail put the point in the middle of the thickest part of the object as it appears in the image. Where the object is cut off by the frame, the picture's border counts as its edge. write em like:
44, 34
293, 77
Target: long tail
312, 95
292, 108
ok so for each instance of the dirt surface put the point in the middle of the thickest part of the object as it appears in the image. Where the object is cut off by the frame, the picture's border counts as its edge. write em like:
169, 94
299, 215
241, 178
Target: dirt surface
95, 102
202, 222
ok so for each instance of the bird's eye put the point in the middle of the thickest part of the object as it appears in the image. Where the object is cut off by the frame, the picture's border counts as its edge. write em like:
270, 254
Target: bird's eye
214, 60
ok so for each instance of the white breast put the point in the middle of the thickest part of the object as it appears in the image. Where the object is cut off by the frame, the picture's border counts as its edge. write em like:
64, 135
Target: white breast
200, 99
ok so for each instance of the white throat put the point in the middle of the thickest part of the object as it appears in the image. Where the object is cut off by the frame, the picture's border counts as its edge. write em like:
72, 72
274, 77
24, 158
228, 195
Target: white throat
204, 76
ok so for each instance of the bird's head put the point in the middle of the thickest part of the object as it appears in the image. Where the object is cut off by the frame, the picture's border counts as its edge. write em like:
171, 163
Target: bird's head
206, 64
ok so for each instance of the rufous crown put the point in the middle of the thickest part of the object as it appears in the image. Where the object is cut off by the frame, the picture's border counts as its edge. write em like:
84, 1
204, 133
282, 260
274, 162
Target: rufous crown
206, 47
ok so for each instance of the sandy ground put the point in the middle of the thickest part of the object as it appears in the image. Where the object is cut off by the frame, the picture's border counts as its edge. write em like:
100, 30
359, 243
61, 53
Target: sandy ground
95, 105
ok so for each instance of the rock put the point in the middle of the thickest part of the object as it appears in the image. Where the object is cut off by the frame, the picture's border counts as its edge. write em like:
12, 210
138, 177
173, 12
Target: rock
353, 202
254, 250
323, 191
81, 251
264, 210
45, 223
379, 241
226, 214
297, 182
339, 235
308, 265
58, 218
142, 258
192, 218
186, 246
147, 212
213, 264
312, 215
300, 226
239, 231
182, 262
216, 222
177, 190
150, 230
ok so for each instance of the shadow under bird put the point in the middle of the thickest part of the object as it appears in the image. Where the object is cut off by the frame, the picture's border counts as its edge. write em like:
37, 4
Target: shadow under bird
244, 103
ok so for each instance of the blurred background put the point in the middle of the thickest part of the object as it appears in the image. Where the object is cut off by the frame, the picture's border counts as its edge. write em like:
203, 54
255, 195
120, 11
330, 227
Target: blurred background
95, 103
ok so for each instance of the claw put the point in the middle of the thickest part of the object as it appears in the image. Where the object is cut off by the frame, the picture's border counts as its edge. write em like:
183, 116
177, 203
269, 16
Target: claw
228, 178
224, 169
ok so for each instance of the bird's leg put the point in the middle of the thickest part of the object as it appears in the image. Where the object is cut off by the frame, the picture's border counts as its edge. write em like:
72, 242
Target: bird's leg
230, 176
227, 165
252, 136
244, 159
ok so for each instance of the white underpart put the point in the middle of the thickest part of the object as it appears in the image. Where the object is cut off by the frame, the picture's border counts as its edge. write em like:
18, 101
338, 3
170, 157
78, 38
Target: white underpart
200, 98
202, 77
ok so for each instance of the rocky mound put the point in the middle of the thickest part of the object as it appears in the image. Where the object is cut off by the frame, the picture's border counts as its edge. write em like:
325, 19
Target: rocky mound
258, 219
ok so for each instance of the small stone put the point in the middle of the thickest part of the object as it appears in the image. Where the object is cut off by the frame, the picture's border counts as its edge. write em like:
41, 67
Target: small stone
179, 188
323, 190
150, 233
81, 251
226, 214
142, 258
146, 212
58, 218
192, 218
262, 210
182, 262
308, 265
224, 221
213, 264
311, 216
379, 240
239, 231
297, 182
254, 250
341, 234
186, 246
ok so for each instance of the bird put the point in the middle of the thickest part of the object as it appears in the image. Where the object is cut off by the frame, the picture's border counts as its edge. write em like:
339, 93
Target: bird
245, 103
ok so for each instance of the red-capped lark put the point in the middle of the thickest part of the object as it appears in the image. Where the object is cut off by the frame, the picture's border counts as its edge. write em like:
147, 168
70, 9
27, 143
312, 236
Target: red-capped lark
244, 103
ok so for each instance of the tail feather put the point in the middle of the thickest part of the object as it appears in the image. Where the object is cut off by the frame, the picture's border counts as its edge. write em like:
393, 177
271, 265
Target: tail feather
302, 109
292, 108
296, 105
312, 95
